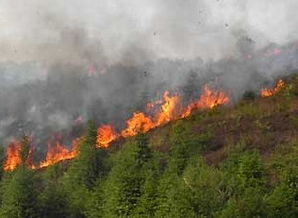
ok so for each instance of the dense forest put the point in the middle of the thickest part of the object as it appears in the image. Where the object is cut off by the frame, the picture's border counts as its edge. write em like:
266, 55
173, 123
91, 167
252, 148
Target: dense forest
233, 161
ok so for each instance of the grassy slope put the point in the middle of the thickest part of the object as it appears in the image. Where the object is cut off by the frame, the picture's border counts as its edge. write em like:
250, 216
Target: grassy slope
176, 180
269, 125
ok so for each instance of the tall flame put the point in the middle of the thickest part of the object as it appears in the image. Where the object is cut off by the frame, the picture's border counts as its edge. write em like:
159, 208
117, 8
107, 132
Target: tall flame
169, 109
13, 157
266, 92
105, 135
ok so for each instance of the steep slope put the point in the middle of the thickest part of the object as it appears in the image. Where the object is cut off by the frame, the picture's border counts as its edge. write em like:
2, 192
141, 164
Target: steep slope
230, 161
254, 123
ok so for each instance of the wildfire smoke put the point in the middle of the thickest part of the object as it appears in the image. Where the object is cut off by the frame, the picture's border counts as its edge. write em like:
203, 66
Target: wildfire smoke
169, 109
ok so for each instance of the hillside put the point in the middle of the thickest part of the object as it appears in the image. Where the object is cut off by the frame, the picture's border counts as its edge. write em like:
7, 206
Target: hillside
231, 161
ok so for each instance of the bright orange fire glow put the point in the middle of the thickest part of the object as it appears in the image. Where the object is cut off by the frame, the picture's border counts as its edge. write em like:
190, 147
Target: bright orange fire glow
208, 99
57, 152
164, 111
105, 135
211, 99
266, 92
139, 123
169, 109
13, 158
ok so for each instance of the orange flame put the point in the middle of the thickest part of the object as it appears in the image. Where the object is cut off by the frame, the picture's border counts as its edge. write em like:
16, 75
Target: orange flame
267, 92
211, 99
13, 158
139, 123
105, 135
169, 109
208, 99
57, 152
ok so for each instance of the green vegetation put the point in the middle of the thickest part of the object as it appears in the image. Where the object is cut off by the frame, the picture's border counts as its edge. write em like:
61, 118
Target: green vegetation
19, 190
239, 161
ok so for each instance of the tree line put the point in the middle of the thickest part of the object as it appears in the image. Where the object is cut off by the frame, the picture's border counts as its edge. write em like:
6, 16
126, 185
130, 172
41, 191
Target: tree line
137, 180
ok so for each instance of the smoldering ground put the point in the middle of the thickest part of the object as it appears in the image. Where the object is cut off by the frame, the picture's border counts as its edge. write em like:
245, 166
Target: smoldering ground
65, 62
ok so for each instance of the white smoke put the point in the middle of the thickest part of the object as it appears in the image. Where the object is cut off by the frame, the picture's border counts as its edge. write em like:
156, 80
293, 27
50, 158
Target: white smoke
38, 30
63, 62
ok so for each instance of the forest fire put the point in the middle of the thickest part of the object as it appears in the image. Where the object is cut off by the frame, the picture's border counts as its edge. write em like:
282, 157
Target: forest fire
13, 156
105, 135
139, 123
57, 152
168, 109
209, 99
267, 92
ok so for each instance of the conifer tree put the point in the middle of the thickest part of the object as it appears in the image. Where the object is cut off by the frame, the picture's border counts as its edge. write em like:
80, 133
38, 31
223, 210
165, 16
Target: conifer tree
20, 190
147, 203
122, 189
53, 199
85, 170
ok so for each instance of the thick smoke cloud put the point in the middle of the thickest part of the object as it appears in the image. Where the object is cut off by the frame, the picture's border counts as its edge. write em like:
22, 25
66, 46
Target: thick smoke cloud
64, 62
37, 30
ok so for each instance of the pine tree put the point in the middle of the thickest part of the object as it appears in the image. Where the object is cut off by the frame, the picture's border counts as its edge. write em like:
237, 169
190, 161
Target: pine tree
19, 190
122, 189
147, 203
282, 202
173, 197
84, 172
245, 185
53, 199
89, 164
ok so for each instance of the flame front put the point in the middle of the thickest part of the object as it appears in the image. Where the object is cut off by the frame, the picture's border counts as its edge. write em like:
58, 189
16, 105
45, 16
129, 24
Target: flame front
166, 110
57, 152
209, 99
139, 123
171, 109
266, 92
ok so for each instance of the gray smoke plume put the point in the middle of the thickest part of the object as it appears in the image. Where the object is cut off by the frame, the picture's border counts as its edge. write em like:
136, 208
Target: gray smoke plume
64, 62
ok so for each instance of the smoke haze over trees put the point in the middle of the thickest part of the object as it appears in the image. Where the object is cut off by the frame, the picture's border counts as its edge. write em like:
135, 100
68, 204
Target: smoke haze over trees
64, 63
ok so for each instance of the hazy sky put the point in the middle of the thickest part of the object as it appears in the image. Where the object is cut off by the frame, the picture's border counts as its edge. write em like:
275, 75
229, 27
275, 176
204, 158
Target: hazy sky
42, 30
